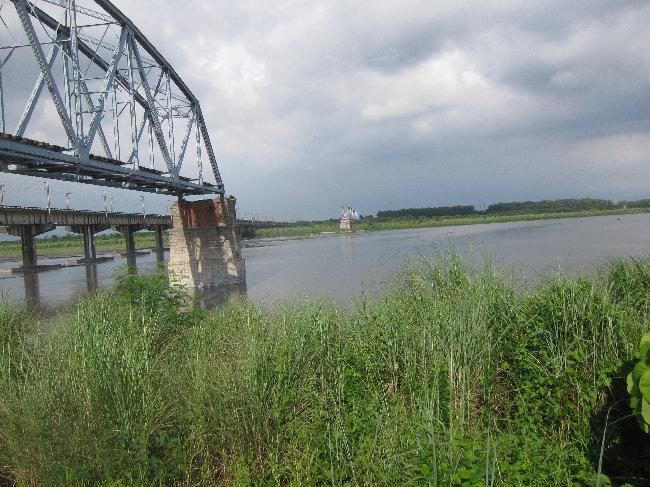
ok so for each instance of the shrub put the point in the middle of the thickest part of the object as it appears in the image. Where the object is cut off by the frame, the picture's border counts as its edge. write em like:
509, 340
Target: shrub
638, 384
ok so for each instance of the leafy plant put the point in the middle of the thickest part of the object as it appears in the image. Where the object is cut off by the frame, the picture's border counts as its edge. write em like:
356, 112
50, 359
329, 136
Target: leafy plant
638, 384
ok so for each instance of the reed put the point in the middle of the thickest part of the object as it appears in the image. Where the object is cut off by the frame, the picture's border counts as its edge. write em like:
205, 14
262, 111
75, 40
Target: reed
451, 376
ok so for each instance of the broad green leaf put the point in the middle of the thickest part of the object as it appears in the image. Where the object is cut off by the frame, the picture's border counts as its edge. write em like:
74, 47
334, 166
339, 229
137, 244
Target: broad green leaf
630, 382
638, 371
644, 384
645, 411
644, 348
645, 338
604, 480
634, 403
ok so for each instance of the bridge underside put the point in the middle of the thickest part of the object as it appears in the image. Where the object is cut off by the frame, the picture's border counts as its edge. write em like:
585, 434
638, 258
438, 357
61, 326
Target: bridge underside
19, 155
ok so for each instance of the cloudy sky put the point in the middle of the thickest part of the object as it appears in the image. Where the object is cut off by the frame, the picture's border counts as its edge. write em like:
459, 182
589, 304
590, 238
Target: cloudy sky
386, 104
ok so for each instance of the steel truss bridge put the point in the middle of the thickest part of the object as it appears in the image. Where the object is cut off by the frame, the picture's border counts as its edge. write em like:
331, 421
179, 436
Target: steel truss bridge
86, 97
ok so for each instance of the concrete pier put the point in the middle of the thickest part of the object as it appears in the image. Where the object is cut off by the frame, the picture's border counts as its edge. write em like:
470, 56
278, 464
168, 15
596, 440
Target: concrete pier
129, 241
27, 234
88, 233
90, 253
28, 247
158, 236
204, 244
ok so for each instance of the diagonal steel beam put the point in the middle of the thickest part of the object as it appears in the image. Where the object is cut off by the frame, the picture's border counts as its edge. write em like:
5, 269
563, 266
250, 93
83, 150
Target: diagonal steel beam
88, 51
100, 130
138, 136
36, 93
153, 114
208, 145
179, 162
23, 15
108, 79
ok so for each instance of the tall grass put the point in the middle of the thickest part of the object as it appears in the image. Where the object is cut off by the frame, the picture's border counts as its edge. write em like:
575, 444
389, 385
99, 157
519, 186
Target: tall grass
451, 377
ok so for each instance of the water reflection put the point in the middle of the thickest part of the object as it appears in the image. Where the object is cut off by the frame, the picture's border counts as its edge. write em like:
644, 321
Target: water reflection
130, 259
92, 282
211, 297
88, 278
160, 256
32, 289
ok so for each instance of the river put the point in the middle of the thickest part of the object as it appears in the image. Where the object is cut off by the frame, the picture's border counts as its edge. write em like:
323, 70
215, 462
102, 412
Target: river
342, 267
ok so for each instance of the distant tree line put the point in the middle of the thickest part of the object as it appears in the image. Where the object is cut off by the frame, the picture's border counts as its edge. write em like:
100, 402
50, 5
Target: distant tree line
428, 212
515, 207
551, 206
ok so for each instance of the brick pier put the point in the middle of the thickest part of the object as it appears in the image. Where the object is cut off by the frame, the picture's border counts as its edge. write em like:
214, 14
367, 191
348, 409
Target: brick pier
204, 244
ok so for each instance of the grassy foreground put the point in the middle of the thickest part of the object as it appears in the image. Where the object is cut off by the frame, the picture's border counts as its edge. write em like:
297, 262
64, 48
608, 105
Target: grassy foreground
452, 377
372, 224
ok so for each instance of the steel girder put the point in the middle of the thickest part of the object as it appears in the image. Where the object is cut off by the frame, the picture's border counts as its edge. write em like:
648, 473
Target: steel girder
124, 66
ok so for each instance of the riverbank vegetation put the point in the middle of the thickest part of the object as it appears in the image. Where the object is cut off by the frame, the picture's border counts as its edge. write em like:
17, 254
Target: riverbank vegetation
452, 376
567, 205
386, 223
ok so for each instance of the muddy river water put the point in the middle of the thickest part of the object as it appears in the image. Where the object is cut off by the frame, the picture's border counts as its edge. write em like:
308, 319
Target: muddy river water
341, 267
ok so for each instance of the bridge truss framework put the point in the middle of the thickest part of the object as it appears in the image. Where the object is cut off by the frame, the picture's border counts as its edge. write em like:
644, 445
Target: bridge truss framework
124, 116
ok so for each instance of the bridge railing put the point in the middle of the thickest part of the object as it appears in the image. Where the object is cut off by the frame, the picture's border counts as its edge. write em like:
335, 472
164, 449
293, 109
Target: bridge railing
15, 215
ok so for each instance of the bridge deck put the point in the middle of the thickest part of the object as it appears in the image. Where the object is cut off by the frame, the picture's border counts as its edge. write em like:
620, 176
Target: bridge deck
19, 155
14, 215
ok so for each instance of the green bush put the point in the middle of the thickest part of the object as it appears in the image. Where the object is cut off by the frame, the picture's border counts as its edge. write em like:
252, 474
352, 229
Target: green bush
638, 384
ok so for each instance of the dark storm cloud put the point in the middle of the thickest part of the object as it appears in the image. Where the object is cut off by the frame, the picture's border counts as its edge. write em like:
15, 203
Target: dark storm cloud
391, 104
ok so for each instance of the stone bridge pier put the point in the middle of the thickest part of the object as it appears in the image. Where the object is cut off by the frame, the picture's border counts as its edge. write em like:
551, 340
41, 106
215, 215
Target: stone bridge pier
204, 244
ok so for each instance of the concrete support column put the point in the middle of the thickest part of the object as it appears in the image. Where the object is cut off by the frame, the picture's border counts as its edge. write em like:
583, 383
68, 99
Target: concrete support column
160, 250
90, 252
28, 246
87, 233
204, 244
129, 240
27, 234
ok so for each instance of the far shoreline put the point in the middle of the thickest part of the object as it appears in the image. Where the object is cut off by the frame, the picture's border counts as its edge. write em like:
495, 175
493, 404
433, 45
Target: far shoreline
371, 225
73, 247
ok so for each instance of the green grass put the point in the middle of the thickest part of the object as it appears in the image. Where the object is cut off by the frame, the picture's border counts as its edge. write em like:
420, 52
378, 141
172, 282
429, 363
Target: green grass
73, 244
451, 377
374, 224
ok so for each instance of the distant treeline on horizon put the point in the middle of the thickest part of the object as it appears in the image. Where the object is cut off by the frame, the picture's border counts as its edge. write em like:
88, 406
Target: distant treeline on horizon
516, 207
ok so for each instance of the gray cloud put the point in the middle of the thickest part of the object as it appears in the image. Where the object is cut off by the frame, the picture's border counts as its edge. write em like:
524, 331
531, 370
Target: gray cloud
410, 103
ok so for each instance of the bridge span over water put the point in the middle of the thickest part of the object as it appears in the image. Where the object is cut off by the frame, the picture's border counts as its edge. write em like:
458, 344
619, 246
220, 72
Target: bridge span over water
86, 97
27, 223
124, 118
